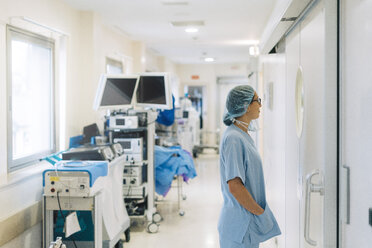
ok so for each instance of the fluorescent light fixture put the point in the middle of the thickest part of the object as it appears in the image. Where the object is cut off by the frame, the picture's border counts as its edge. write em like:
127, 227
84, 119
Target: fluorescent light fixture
191, 30
209, 59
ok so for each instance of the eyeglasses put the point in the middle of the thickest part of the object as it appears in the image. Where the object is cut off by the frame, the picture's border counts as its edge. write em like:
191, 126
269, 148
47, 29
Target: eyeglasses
257, 100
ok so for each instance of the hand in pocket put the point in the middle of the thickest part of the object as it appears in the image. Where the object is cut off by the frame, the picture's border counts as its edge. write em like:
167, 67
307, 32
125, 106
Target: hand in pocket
264, 222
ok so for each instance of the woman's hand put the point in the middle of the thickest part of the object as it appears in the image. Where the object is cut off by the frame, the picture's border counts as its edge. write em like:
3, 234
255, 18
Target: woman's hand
243, 196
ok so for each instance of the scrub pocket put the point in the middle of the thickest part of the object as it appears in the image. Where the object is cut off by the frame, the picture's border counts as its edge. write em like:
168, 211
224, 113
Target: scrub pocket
233, 224
264, 222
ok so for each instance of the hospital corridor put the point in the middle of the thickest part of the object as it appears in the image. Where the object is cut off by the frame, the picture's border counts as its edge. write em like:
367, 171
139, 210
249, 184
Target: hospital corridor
185, 123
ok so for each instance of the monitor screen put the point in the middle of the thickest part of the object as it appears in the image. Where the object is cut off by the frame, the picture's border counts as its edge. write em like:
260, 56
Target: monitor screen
115, 91
118, 91
154, 91
151, 89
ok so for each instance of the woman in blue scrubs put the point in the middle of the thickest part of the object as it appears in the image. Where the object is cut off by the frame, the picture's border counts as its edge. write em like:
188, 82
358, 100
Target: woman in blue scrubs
245, 219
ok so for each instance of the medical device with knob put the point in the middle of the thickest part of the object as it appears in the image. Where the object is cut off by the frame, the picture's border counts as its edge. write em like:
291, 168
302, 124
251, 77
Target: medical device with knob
123, 122
132, 147
73, 178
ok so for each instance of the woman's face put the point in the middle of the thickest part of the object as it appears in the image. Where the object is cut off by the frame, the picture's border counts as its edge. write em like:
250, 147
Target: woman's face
254, 107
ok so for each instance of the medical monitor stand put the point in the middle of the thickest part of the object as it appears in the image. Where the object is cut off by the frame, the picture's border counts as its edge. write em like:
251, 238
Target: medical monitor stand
150, 141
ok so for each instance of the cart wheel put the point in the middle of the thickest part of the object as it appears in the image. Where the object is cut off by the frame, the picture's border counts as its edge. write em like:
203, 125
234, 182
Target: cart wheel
156, 217
184, 197
119, 244
182, 213
127, 235
152, 227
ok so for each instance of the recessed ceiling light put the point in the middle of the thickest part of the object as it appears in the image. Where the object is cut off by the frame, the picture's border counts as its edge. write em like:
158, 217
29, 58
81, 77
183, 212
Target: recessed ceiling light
191, 30
209, 59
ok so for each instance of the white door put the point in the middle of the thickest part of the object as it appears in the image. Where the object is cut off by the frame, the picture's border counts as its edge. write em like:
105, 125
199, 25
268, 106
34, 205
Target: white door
311, 132
311, 143
356, 119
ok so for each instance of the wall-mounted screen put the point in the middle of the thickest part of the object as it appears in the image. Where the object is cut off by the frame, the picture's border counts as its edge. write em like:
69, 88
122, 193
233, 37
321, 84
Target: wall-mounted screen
154, 91
115, 91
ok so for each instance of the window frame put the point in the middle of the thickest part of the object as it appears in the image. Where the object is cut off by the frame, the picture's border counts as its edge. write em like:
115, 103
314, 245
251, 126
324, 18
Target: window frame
33, 38
114, 63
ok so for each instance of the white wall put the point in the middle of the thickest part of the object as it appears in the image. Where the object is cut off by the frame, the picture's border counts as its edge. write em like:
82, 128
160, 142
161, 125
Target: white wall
3, 104
99, 41
87, 43
28, 239
356, 120
157, 63
273, 152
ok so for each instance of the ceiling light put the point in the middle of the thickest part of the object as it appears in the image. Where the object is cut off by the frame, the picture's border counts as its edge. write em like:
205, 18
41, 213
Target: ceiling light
209, 59
187, 23
254, 51
191, 30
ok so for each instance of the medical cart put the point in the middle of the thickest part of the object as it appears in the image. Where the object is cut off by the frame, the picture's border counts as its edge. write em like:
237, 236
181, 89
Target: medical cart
69, 187
115, 217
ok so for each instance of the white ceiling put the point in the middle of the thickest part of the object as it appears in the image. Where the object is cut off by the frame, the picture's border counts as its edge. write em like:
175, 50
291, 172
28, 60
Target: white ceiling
231, 26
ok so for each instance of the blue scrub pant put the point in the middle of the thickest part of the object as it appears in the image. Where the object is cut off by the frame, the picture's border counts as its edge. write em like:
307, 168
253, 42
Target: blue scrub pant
224, 243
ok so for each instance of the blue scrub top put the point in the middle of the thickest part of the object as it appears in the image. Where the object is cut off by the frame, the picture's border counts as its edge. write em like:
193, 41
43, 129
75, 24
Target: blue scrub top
240, 158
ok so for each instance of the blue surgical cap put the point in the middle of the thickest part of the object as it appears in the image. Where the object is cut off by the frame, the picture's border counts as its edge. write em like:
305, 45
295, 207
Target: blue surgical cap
237, 102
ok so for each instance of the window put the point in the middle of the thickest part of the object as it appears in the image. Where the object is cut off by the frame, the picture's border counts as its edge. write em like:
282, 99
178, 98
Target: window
114, 66
31, 128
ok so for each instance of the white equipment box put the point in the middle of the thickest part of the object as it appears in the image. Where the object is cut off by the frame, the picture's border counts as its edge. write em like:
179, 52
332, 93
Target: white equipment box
74, 178
130, 171
123, 122
133, 148
135, 192
132, 181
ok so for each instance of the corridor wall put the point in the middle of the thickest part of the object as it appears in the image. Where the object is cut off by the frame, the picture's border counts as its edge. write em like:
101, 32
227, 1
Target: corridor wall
356, 122
81, 50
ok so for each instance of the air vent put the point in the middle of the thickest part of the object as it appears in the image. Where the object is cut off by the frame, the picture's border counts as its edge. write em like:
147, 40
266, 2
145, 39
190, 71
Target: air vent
187, 24
175, 3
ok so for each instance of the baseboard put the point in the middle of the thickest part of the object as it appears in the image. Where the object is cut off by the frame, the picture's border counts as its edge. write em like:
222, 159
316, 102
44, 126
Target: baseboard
16, 224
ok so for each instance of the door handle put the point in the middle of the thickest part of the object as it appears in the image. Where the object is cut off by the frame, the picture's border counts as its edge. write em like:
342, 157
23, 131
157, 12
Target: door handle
311, 188
347, 193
